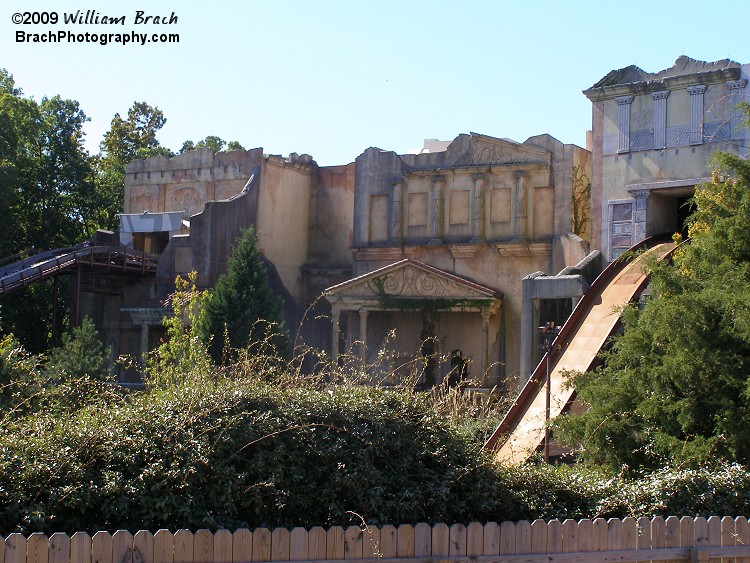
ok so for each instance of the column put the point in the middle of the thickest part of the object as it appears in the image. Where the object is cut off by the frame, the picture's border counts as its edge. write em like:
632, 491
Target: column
484, 359
363, 335
335, 332
477, 209
436, 229
144, 346
696, 114
736, 88
623, 103
396, 222
521, 227
660, 118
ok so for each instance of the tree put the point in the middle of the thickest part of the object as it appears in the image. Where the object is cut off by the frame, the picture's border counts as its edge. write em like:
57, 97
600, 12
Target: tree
216, 144
47, 196
81, 354
675, 384
127, 140
242, 306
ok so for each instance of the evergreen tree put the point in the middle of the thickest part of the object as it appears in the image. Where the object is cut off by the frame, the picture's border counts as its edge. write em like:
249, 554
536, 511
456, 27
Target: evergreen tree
242, 311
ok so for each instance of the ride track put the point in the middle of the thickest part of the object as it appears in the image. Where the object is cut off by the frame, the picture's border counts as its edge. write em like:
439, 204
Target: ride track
575, 349
103, 258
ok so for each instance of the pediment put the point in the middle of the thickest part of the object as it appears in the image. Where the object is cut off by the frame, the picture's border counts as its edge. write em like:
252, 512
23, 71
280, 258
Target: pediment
492, 150
409, 279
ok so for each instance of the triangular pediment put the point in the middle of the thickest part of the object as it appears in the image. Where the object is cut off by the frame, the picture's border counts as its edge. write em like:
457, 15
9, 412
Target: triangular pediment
410, 279
493, 150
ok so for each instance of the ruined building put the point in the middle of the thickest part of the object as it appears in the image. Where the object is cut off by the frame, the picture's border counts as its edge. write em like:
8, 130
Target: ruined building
473, 242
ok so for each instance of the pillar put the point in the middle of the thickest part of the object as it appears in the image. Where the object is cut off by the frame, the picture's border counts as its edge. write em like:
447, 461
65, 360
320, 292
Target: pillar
736, 88
521, 215
484, 359
144, 346
396, 223
436, 201
335, 332
660, 118
623, 104
477, 208
363, 335
696, 114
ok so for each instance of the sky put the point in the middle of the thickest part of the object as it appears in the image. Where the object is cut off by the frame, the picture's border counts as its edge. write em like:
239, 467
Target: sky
331, 78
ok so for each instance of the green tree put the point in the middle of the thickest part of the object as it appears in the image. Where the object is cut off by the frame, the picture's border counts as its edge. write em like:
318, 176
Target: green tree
47, 196
242, 306
675, 385
81, 354
127, 139
216, 144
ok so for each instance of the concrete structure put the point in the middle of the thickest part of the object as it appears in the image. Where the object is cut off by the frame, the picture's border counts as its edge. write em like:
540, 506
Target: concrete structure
653, 136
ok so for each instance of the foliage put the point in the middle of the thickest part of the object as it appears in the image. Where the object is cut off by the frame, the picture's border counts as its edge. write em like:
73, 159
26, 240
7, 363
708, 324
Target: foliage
81, 354
127, 139
216, 144
674, 386
69, 379
183, 355
242, 311
581, 203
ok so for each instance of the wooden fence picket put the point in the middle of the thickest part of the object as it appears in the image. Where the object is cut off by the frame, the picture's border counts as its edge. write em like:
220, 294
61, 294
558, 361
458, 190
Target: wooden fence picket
741, 536
242, 545
101, 548
492, 538
538, 536
569, 536
335, 543
474, 539
600, 535
261, 545
184, 545
714, 535
507, 538
143, 547
59, 548
614, 534
163, 546
122, 547
15, 548
687, 531
405, 541
80, 548
554, 536
371, 543
643, 539
280, 544
388, 542
422, 540
523, 536
629, 533
441, 540
203, 547
457, 541
585, 535
299, 547
672, 536
37, 548
316, 544
222, 547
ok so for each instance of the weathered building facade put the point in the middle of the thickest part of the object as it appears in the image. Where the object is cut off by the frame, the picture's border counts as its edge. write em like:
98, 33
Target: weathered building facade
653, 136
459, 228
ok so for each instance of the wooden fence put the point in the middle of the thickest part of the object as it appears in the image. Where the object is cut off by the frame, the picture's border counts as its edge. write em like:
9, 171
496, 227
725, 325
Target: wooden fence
721, 540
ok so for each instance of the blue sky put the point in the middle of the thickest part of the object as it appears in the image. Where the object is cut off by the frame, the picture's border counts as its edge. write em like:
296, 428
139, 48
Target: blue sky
331, 77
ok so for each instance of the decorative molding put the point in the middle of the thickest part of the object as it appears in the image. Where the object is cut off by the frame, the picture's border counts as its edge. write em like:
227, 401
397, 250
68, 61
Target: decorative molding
521, 249
379, 253
696, 113
660, 118
623, 103
463, 251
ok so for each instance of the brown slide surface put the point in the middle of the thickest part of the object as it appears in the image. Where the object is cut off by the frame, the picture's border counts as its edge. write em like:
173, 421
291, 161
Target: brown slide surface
580, 340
